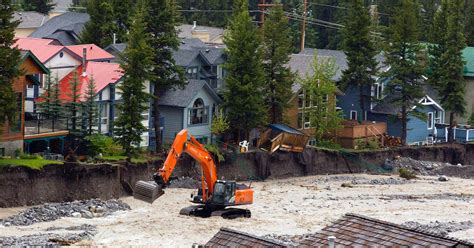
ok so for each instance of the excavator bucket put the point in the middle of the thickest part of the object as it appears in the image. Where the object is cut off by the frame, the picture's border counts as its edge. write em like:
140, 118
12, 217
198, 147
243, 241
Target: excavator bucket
147, 191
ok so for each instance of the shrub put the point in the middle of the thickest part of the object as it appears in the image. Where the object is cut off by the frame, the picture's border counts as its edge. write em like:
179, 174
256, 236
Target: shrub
214, 149
29, 156
106, 145
406, 173
328, 144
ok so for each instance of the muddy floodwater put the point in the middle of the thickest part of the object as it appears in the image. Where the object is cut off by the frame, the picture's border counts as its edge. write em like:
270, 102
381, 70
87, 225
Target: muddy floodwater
293, 206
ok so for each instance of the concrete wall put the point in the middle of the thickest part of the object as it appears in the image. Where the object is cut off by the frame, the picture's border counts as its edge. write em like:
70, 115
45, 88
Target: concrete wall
10, 147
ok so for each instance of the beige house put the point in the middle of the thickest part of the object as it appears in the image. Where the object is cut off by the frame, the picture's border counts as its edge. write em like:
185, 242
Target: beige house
29, 22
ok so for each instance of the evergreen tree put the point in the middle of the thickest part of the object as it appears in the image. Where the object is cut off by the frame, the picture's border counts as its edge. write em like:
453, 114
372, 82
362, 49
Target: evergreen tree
469, 23
74, 105
137, 65
452, 84
403, 55
320, 88
45, 105
101, 27
437, 44
122, 10
360, 52
162, 21
91, 113
243, 99
9, 61
41, 6
276, 54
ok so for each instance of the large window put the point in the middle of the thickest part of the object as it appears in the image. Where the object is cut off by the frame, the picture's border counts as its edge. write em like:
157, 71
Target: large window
104, 114
198, 114
353, 115
378, 90
192, 72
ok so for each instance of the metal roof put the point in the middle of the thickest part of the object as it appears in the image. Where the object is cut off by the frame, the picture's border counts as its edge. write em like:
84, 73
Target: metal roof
354, 230
231, 238
468, 55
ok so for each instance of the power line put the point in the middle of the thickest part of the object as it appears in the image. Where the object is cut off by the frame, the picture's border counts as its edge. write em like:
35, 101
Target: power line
341, 7
212, 10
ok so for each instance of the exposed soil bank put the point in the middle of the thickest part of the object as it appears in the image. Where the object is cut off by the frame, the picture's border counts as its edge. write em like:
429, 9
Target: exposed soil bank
56, 183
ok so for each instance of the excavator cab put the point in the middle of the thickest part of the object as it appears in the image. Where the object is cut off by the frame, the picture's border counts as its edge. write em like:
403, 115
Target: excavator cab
224, 194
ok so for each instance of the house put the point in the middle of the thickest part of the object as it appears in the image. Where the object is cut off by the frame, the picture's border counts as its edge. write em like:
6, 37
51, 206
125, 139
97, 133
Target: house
211, 35
13, 134
65, 28
353, 230
30, 21
60, 60
199, 60
468, 57
60, 7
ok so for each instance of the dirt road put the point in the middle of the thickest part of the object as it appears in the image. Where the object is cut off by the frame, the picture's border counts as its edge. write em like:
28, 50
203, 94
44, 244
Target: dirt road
290, 206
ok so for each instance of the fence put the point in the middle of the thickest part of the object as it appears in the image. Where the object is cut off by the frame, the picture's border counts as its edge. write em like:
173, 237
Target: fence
39, 125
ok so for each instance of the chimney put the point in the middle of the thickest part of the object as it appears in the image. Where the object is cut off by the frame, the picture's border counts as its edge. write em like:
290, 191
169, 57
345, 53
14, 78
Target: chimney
194, 25
84, 61
115, 39
331, 241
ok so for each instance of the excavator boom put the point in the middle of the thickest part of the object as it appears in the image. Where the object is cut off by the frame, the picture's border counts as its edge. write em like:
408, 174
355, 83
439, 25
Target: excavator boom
214, 194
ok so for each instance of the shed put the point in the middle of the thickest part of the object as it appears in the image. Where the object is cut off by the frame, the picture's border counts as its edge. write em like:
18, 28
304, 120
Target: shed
282, 137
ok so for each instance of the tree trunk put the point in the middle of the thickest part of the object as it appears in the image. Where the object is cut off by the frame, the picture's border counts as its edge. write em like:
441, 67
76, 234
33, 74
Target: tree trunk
156, 121
404, 125
451, 128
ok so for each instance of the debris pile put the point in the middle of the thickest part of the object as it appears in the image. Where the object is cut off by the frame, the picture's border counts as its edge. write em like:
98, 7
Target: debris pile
53, 211
440, 228
185, 183
381, 181
74, 234
288, 240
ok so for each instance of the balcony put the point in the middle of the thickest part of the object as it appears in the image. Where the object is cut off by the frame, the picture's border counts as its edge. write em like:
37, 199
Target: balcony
37, 126
352, 133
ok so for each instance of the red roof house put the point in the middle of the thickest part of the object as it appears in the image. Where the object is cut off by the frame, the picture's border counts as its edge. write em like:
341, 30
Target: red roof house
94, 53
103, 74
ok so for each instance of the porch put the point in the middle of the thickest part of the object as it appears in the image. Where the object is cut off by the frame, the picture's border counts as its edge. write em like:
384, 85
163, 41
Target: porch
462, 133
353, 133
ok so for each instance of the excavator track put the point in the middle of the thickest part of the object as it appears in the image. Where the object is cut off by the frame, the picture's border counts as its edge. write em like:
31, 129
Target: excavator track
227, 213
147, 191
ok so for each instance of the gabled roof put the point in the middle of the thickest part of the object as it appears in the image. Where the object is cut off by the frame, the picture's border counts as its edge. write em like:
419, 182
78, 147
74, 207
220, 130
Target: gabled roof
30, 19
25, 54
93, 52
61, 6
231, 238
183, 97
354, 230
118, 47
69, 21
102, 72
212, 54
41, 48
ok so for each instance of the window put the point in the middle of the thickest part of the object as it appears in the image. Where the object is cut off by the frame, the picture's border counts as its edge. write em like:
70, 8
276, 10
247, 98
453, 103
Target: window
300, 120
430, 120
301, 100
307, 101
307, 123
325, 98
191, 72
198, 114
438, 118
379, 90
61, 54
202, 140
16, 127
312, 142
220, 72
104, 114
2, 152
353, 115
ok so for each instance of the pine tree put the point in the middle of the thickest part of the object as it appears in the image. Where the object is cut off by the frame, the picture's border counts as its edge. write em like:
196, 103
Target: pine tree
403, 55
41, 6
276, 54
162, 21
243, 99
137, 66
101, 27
360, 52
122, 9
452, 84
9, 61
469, 23
74, 105
437, 44
320, 88
90, 106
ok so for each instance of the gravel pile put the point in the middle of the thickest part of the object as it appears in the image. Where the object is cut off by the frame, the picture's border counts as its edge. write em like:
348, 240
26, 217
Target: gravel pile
53, 211
287, 240
185, 183
428, 168
84, 232
440, 228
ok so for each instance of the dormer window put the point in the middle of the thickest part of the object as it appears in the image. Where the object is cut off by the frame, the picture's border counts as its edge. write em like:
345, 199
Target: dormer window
192, 72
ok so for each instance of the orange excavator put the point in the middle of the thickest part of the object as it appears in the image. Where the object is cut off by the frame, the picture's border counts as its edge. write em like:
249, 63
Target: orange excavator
214, 198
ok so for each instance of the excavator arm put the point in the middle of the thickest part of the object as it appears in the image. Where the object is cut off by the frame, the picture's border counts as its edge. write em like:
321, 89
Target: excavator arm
197, 151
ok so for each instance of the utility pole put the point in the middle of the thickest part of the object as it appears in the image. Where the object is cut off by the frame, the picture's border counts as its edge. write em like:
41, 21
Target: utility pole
262, 7
303, 25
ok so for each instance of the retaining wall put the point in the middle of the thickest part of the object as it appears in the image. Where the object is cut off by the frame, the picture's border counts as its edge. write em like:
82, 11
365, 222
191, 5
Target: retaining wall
55, 183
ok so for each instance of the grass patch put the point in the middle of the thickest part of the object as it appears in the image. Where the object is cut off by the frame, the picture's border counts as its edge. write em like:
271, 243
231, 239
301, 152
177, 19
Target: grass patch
35, 164
123, 158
